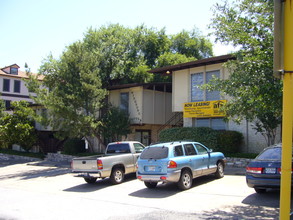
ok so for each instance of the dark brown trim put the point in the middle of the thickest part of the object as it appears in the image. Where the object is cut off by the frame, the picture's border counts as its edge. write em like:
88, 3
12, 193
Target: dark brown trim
145, 85
14, 95
202, 62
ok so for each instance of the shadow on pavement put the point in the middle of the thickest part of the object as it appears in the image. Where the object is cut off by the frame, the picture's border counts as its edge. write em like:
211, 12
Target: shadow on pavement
100, 184
229, 170
24, 175
243, 212
168, 189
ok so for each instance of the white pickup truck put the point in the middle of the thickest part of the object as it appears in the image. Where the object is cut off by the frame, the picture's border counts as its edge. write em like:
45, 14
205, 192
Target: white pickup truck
120, 159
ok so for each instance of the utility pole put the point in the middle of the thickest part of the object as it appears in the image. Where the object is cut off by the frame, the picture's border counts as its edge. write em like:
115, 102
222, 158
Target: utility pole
287, 76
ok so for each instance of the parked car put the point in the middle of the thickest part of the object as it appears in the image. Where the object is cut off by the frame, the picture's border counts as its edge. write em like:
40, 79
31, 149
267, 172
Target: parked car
264, 172
120, 159
178, 162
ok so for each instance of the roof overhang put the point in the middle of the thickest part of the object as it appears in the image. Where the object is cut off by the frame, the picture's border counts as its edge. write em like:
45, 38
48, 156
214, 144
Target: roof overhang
202, 62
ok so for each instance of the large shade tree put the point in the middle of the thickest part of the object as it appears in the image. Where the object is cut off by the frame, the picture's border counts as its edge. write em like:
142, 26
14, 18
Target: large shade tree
74, 89
255, 94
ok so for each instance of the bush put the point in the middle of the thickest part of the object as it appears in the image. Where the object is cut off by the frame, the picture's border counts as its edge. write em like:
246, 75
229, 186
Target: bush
74, 146
224, 141
206, 136
229, 141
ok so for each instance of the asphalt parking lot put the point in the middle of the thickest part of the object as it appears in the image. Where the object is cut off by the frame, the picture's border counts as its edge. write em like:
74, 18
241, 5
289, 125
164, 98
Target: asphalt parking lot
31, 188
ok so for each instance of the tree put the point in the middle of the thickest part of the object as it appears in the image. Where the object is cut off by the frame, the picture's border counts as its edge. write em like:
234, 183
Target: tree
18, 127
71, 92
191, 44
74, 89
114, 124
255, 94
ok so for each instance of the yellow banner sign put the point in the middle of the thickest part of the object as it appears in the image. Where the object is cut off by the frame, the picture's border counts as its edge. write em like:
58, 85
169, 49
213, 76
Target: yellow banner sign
205, 109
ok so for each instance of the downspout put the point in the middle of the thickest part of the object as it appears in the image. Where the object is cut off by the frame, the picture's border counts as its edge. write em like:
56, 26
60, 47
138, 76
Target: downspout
154, 94
247, 137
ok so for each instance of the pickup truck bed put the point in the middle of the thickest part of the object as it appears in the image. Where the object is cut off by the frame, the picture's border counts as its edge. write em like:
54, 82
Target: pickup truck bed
120, 161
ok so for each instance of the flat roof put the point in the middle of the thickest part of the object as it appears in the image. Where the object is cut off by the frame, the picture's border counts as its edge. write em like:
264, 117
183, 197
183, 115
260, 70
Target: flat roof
163, 86
196, 63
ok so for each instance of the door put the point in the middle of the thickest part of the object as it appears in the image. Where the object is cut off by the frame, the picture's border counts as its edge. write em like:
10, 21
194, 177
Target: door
143, 136
193, 159
204, 157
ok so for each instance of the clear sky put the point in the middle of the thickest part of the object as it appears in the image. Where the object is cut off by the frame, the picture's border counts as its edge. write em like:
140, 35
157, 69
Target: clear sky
32, 29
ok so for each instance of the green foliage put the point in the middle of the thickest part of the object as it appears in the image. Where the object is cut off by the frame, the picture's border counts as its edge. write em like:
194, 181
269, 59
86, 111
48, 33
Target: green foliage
168, 59
229, 141
191, 44
73, 93
224, 141
74, 146
206, 136
18, 127
75, 86
115, 123
255, 95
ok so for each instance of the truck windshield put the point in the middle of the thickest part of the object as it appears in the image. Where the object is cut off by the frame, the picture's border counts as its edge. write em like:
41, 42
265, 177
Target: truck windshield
154, 153
118, 148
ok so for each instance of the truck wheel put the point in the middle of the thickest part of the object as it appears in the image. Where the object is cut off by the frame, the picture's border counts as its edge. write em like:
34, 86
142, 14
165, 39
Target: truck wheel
90, 180
185, 181
117, 175
150, 185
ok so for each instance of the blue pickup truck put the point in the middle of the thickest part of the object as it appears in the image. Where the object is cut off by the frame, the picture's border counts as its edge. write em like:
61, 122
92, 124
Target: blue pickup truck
178, 162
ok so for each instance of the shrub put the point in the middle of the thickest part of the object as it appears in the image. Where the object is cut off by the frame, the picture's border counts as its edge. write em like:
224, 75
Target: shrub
224, 141
206, 136
229, 141
74, 146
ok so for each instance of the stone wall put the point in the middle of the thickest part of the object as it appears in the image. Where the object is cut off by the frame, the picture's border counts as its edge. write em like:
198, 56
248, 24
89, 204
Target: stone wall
7, 157
57, 157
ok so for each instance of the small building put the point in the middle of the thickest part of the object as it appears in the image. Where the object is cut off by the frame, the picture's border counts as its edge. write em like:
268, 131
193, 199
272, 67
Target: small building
12, 85
149, 106
13, 88
200, 107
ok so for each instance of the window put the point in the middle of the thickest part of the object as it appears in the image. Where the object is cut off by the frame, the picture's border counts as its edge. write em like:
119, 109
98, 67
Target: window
197, 80
138, 147
143, 136
189, 149
218, 124
196, 93
178, 151
212, 95
6, 85
13, 71
214, 123
118, 148
155, 153
17, 86
7, 104
200, 149
124, 101
271, 154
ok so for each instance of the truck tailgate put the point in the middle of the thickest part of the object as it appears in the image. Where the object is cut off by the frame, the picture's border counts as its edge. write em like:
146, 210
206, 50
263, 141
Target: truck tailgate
85, 164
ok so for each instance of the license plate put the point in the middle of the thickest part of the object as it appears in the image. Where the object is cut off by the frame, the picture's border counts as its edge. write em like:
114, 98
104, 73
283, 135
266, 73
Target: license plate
151, 168
270, 170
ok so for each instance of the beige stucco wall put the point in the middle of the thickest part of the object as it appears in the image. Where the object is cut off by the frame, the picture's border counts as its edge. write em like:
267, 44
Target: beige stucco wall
145, 106
253, 142
135, 101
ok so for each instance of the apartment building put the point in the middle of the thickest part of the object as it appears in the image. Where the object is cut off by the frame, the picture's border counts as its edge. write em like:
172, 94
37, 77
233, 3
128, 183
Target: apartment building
201, 108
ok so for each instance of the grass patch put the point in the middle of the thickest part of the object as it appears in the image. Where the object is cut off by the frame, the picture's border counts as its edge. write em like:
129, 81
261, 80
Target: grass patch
20, 153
